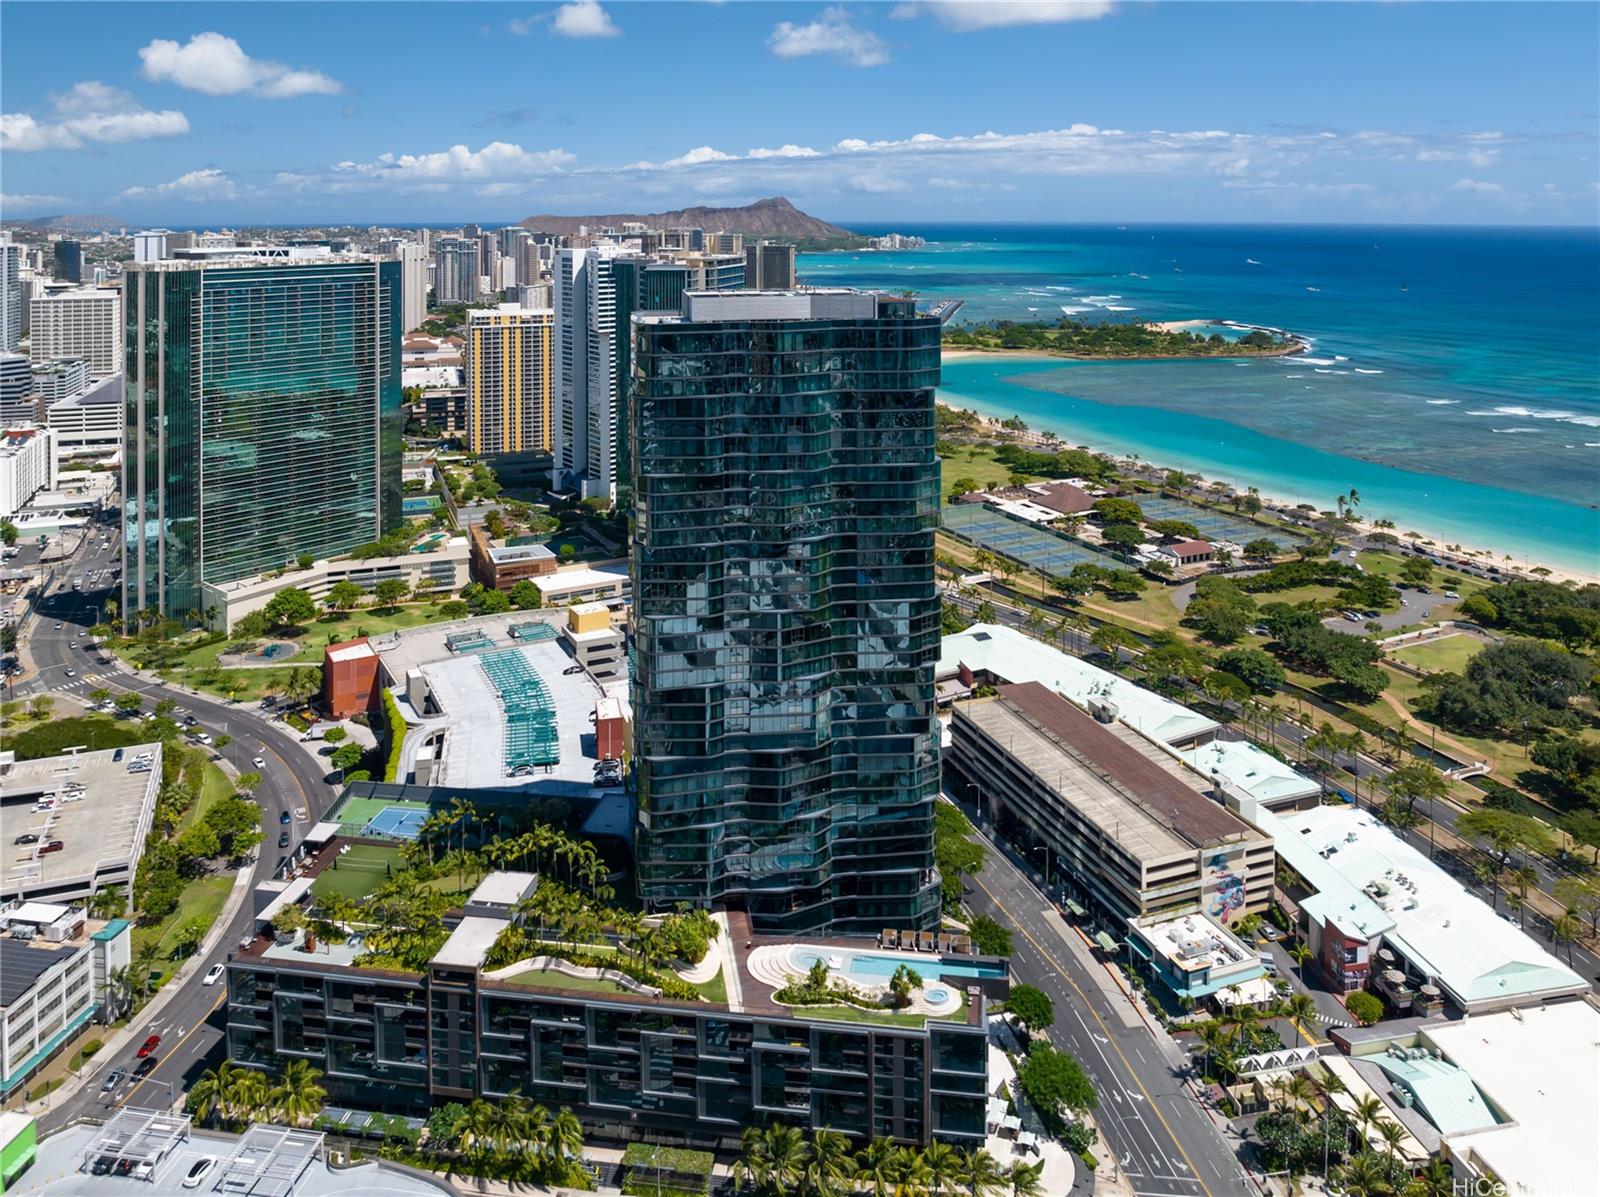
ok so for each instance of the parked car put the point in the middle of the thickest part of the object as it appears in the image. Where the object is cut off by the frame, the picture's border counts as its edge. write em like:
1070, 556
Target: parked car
27, 837
571, 669
1451, 594
199, 1170
213, 975
53, 846
149, 1046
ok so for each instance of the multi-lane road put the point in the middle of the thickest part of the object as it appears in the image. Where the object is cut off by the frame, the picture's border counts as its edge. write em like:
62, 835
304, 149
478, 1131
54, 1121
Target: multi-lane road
189, 1022
1150, 1121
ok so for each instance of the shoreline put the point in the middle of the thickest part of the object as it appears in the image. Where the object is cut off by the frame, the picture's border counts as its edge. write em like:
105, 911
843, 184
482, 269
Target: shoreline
1297, 345
1474, 554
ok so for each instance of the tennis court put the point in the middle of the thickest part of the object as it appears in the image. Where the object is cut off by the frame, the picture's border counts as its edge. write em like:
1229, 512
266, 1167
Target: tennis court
1033, 547
394, 819
1213, 525
358, 871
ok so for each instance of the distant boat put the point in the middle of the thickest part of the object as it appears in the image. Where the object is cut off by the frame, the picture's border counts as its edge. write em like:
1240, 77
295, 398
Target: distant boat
1317, 289
1403, 287
1251, 262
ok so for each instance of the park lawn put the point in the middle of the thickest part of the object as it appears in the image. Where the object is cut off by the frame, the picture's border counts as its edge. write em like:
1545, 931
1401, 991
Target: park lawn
214, 787
203, 898
244, 685
1388, 565
1448, 654
978, 463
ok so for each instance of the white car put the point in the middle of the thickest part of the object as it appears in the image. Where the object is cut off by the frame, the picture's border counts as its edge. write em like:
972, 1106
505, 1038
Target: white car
198, 1171
259, 762
214, 975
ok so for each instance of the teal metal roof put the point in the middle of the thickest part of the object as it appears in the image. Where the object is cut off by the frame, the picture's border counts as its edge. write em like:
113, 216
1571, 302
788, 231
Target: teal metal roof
1443, 1093
111, 930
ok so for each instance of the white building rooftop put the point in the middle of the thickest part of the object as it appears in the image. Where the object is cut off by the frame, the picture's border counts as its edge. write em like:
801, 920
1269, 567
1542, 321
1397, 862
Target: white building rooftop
1541, 1068
470, 942
351, 652
1253, 771
1370, 883
1018, 657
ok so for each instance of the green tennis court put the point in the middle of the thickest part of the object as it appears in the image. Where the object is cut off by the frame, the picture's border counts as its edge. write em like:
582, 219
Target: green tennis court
358, 872
354, 815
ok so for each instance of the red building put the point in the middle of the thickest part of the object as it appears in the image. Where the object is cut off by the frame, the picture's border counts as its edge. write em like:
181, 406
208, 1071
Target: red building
349, 679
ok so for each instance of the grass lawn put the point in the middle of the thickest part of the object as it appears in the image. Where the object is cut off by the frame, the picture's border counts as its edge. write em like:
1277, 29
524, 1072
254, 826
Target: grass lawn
358, 872
854, 1014
977, 463
202, 899
716, 989
555, 979
1448, 654
213, 789
244, 685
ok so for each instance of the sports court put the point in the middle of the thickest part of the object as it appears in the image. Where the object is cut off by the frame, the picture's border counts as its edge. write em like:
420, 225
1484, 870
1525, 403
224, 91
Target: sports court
1033, 547
1213, 525
380, 818
357, 871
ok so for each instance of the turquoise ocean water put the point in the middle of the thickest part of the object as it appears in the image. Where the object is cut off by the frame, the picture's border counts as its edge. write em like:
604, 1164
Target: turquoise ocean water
1454, 379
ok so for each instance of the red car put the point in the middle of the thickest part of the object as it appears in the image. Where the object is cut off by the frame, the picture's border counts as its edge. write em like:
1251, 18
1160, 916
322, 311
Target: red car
53, 846
150, 1045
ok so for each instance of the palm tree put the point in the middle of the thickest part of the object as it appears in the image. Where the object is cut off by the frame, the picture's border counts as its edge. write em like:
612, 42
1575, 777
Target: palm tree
536, 1130
1300, 953
1368, 1111
1302, 1009
1565, 930
246, 1095
1025, 1179
566, 1135
1486, 873
119, 991
786, 1157
753, 1168
875, 1167
1392, 1134
984, 1176
1365, 1176
207, 1094
1435, 1179
299, 1094
912, 1177
944, 1165
1294, 1094
828, 1164
1515, 903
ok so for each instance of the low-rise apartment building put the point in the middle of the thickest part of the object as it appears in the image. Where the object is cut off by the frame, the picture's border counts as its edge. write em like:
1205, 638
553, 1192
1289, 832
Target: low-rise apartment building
1120, 822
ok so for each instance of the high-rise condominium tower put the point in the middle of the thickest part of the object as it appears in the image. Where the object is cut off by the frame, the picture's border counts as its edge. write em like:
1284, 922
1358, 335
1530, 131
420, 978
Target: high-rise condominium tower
10, 293
509, 379
787, 491
413, 280
455, 270
85, 322
263, 419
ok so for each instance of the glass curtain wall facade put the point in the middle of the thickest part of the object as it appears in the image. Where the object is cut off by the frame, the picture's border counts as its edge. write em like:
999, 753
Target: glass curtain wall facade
263, 420
787, 753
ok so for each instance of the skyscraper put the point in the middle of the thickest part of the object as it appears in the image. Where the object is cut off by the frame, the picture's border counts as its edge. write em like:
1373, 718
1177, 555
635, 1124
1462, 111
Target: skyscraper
413, 280
769, 266
10, 293
69, 261
263, 419
455, 270
586, 392
509, 363
84, 322
787, 491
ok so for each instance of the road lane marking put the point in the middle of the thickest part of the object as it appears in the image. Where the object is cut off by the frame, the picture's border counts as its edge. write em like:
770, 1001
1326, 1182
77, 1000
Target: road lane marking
173, 1051
1084, 998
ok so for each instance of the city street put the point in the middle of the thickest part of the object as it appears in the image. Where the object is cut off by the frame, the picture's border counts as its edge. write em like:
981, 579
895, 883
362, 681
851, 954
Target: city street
1150, 1122
191, 1022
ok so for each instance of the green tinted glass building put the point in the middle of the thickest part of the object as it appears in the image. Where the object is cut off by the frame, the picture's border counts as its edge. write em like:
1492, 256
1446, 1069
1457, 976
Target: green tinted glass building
787, 491
263, 418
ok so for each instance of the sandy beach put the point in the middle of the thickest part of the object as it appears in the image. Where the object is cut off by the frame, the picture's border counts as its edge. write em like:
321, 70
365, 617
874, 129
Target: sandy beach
1468, 554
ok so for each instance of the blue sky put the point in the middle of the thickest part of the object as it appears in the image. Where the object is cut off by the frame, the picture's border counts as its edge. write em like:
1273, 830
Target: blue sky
184, 114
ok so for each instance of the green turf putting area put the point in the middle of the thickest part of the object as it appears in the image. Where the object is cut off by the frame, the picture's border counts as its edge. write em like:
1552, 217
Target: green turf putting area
1447, 654
358, 871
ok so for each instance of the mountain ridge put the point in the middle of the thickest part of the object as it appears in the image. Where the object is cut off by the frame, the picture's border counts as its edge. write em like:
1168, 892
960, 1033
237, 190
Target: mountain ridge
774, 216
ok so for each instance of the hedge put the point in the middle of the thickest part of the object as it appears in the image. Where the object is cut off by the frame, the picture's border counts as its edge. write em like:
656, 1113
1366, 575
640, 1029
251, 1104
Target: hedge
396, 733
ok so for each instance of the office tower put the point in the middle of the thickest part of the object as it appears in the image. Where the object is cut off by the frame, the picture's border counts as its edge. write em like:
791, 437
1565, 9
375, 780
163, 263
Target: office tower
531, 258
11, 317
455, 270
150, 246
413, 280
725, 243
508, 364
713, 272
298, 365
769, 266
81, 322
56, 380
18, 402
69, 261
181, 240
787, 491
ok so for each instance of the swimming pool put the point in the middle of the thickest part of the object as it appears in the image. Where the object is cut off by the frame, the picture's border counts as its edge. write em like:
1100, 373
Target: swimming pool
873, 968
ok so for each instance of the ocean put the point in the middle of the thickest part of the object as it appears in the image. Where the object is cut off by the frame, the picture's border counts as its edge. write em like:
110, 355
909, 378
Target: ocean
1454, 376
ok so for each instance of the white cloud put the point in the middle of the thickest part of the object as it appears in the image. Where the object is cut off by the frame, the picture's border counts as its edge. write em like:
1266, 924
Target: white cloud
89, 111
207, 184
497, 161
964, 16
876, 184
831, 34
584, 18
699, 154
29, 201
522, 26
787, 150
217, 65
1477, 186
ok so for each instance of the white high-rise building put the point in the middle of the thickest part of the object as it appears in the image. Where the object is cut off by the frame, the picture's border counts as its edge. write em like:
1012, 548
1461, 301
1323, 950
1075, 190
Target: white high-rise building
509, 358
10, 293
455, 270
84, 322
413, 280
150, 246
56, 380
28, 464
585, 453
